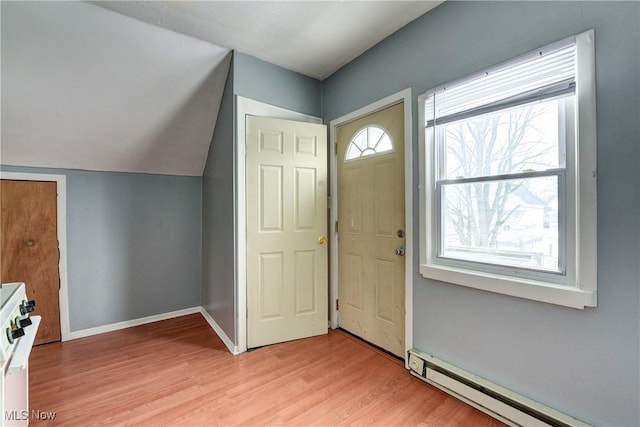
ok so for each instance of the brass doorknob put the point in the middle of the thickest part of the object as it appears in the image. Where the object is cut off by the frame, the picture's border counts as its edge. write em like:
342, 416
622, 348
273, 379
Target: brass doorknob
322, 240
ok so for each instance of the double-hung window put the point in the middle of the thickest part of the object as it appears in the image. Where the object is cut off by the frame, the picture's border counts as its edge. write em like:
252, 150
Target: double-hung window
509, 180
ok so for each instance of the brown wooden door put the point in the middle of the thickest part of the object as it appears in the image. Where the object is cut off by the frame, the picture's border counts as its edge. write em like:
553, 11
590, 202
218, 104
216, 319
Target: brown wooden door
29, 248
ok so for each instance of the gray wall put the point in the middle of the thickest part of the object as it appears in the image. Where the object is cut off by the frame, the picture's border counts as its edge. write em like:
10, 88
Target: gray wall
133, 244
582, 362
218, 218
261, 81
265, 82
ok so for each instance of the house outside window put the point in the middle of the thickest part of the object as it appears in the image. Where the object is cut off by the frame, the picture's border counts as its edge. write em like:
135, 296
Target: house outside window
508, 177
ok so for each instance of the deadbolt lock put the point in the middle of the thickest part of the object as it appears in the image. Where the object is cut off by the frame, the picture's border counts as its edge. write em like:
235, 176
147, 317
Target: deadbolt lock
400, 233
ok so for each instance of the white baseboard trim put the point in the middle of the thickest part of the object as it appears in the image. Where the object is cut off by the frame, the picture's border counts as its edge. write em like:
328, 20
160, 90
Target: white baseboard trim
129, 323
218, 330
155, 318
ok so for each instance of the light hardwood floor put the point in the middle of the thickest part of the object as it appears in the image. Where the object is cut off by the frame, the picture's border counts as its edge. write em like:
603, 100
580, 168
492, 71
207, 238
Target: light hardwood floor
178, 372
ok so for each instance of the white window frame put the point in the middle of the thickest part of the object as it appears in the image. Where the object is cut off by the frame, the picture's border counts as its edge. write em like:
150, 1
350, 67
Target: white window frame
577, 288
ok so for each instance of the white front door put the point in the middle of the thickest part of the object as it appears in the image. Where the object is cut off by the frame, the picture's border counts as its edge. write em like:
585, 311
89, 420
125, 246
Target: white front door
286, 172
371, 228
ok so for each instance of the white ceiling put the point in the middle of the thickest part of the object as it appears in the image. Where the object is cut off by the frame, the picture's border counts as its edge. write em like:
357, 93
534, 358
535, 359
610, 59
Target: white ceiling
84, 87
314, 38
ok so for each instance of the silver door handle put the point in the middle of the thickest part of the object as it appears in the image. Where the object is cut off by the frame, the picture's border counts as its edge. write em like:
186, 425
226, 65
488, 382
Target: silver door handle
399, 251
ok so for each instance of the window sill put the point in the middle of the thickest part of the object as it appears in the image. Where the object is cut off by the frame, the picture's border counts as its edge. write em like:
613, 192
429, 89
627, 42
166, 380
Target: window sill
566, 296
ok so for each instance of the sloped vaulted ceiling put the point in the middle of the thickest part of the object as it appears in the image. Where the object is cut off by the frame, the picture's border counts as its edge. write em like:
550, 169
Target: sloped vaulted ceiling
135, 86
88, 88
313, 38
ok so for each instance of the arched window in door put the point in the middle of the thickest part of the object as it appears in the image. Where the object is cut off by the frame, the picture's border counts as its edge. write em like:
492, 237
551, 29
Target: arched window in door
368, 141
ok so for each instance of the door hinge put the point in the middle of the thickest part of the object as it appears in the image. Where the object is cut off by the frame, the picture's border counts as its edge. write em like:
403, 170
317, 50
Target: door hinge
336, 226
335, 148
337, 305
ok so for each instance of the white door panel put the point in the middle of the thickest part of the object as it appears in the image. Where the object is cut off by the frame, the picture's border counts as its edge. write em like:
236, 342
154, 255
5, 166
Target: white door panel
286, 216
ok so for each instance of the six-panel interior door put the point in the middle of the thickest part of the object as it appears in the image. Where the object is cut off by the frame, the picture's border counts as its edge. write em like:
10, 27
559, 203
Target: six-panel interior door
287, 253
29, 248
371, 228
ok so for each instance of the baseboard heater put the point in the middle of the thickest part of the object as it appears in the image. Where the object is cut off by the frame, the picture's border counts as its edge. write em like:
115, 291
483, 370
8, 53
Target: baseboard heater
496, 401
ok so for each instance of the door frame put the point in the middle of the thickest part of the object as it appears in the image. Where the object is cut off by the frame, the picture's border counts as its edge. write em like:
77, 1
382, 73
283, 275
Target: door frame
61, 208
244, 107
398, 97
